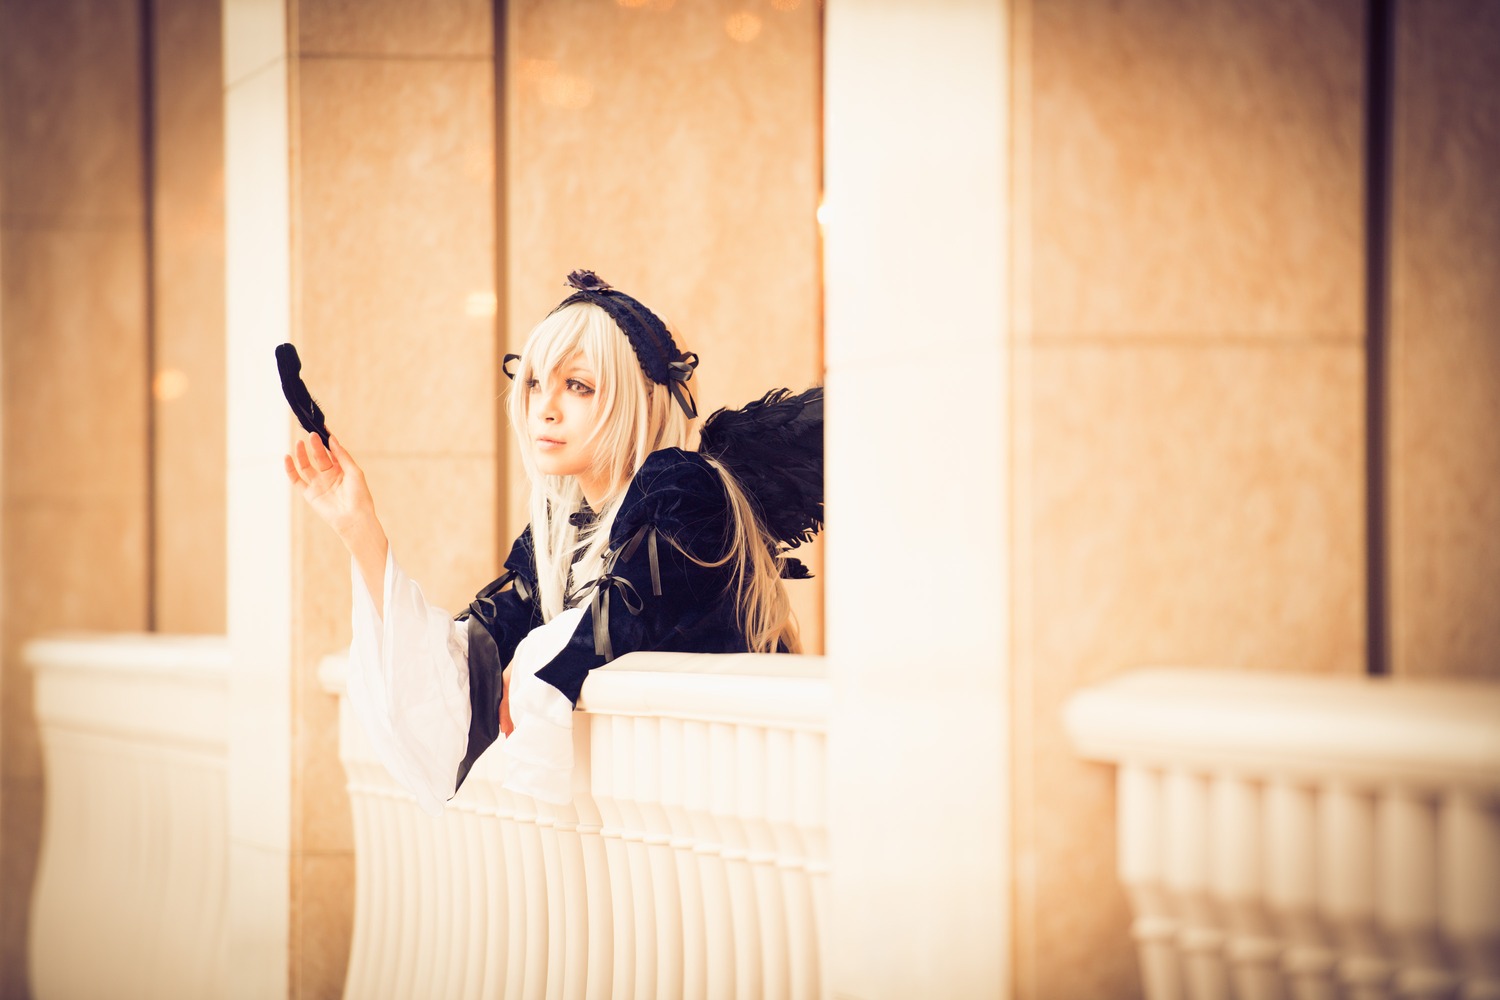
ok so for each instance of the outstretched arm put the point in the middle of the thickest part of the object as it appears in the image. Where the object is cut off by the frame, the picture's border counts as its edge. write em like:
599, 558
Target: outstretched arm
334, 487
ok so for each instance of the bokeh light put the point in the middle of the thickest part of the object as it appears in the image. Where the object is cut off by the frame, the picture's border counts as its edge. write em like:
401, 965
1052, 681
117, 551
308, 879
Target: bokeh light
480, 304
169, 384
742, 26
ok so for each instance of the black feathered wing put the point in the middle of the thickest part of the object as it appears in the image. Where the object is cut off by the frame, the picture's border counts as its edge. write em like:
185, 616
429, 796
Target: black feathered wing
774, 448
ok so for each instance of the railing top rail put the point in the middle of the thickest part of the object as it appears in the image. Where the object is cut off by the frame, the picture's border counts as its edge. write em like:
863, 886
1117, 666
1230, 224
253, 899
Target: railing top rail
156, 653
730, 687
1368, 730
146, 688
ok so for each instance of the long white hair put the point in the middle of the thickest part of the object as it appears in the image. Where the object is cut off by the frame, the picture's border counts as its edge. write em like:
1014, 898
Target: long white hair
637, 417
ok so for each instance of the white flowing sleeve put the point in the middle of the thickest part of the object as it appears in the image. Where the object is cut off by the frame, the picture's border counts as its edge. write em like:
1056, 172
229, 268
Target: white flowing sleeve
409, 685
539, 753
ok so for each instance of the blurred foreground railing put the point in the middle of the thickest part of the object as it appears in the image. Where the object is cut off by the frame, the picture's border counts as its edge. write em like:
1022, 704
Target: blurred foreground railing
131, 892
691, 863
1305, 837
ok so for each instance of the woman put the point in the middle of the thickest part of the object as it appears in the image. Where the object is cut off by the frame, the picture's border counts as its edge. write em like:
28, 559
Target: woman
634, 543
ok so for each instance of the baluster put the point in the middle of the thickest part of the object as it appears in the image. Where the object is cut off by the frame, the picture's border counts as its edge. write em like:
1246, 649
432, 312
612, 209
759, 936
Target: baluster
608, 765
569, 900
447, 946
64, 869
652, 759
406, 942
553, 888
1470, 861
357, 980
140, 883
196, 804
570, 896
1200, 938
213, 903
629, 778
752, 809
738, 879
1251, 949
1291, 891
598, 960
475, 884
790, 857
135, 889
163, 972
433, 866
391, 899
1347, 877
1139, 858
516, 914
115, 862
809, 818
664, 800
498, 888
713, 874
533, 882
207, 914
1409, 893
690, 803
202, 801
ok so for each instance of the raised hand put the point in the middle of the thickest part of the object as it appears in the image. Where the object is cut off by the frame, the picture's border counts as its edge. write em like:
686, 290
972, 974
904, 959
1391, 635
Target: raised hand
334, 487
331, 483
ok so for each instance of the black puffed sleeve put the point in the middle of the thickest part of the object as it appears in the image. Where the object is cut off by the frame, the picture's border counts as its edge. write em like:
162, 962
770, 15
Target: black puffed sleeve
656, 591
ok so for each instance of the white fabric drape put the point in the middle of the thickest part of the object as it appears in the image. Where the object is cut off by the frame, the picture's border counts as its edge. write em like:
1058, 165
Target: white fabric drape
409, 687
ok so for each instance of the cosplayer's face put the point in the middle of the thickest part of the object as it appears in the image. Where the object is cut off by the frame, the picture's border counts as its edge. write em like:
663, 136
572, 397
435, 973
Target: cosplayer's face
560, 419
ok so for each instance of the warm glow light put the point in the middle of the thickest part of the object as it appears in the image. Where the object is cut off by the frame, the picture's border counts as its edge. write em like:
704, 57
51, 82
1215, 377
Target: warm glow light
822, 213
480, 304
536, 69
169, 384
742, 26
564, 90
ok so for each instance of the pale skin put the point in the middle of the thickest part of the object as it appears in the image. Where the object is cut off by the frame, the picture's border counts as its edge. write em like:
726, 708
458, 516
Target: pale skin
560, 419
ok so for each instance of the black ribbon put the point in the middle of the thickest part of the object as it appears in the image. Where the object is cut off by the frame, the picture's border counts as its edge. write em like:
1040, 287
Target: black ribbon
608, 582
680, 372
603, 587
483, 606
505, 365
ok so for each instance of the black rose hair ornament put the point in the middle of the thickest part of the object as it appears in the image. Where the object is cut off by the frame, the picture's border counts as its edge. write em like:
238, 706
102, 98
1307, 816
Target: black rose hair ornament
654, 347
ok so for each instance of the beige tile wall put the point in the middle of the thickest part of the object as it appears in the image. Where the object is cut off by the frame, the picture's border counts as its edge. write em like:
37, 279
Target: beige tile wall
1188, 396
393, 211
1445, 349
188, 463
675, 149
73, 520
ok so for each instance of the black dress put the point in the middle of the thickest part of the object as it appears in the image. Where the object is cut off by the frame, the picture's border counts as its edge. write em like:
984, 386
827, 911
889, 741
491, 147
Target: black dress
666, 585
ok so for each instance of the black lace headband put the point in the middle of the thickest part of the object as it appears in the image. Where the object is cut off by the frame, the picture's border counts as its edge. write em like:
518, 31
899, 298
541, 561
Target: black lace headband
660, 359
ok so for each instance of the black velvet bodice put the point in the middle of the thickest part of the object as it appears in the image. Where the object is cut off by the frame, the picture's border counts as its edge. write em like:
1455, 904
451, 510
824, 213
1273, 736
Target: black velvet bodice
655, 593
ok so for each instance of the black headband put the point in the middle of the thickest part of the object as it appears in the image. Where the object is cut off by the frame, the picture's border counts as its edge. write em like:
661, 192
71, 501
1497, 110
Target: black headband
660, 359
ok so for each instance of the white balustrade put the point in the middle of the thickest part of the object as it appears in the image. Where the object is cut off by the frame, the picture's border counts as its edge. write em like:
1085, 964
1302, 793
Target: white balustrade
131, 893
1300, 837
692, 861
